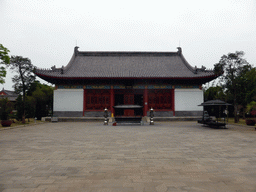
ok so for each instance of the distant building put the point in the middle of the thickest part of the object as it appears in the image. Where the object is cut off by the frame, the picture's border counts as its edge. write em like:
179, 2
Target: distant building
92, 81
11, 95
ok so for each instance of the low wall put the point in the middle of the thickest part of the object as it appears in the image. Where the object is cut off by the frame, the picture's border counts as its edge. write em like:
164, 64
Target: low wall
162, 113
188, 113
67, 113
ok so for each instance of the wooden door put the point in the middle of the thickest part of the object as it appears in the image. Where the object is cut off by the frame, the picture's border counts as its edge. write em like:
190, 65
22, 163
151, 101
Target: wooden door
128, 100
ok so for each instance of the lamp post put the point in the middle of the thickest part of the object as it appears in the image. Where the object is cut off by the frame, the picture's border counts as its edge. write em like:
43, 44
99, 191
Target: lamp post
106, 116
151, 113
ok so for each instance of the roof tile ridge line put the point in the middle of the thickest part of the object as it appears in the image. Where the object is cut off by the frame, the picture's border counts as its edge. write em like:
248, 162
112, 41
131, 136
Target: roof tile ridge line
126, 52
70, 63
37, 69
192, 69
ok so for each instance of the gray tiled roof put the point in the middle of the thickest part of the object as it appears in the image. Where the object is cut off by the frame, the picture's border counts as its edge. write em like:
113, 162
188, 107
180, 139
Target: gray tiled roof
126, 65
11, 95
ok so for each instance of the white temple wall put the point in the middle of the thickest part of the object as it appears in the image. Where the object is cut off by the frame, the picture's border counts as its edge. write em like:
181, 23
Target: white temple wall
187, 101
68, 100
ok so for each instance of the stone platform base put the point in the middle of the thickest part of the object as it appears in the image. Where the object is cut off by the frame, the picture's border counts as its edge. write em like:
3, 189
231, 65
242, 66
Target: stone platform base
144, 119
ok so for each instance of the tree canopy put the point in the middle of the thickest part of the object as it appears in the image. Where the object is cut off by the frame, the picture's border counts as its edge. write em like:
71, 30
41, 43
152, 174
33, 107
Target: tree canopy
237, 82
250, 84
24, 76
39, 101
24, 73
4, 59
213, 93
43, 95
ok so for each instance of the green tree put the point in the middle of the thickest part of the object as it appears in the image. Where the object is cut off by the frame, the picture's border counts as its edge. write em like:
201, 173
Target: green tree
250, 83
4, 59
39, 101
5, 108
19, 107
43, 95
243, 87
30, 107
44, 100
251, 106
24, 77
33, 87
233, 67
213, 93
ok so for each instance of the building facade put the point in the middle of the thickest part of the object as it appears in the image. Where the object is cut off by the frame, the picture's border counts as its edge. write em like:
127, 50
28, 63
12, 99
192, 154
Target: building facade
93, 81
10, 95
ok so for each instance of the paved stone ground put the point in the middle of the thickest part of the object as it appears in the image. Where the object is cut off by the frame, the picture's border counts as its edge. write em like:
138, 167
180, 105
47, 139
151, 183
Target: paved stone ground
169, 156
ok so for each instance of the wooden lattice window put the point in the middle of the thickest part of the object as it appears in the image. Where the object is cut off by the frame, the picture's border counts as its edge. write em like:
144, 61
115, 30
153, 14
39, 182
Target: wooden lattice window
97, 99
160, 98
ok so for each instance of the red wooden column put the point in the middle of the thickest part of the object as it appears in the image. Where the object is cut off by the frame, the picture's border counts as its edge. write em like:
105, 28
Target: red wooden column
173, 102
145, 96
112, 100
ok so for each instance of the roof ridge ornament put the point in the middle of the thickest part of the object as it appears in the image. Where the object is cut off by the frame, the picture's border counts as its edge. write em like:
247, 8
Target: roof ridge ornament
76, 50
53, 68
179, 50
62, 70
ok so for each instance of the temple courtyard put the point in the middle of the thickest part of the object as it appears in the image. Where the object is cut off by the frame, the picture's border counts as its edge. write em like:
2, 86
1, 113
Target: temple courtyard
88, 156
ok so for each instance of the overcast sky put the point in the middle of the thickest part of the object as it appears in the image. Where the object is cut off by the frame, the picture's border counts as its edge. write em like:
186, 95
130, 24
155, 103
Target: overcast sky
46, 31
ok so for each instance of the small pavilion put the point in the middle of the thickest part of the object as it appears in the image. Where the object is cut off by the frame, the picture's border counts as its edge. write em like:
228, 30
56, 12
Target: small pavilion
93, 81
